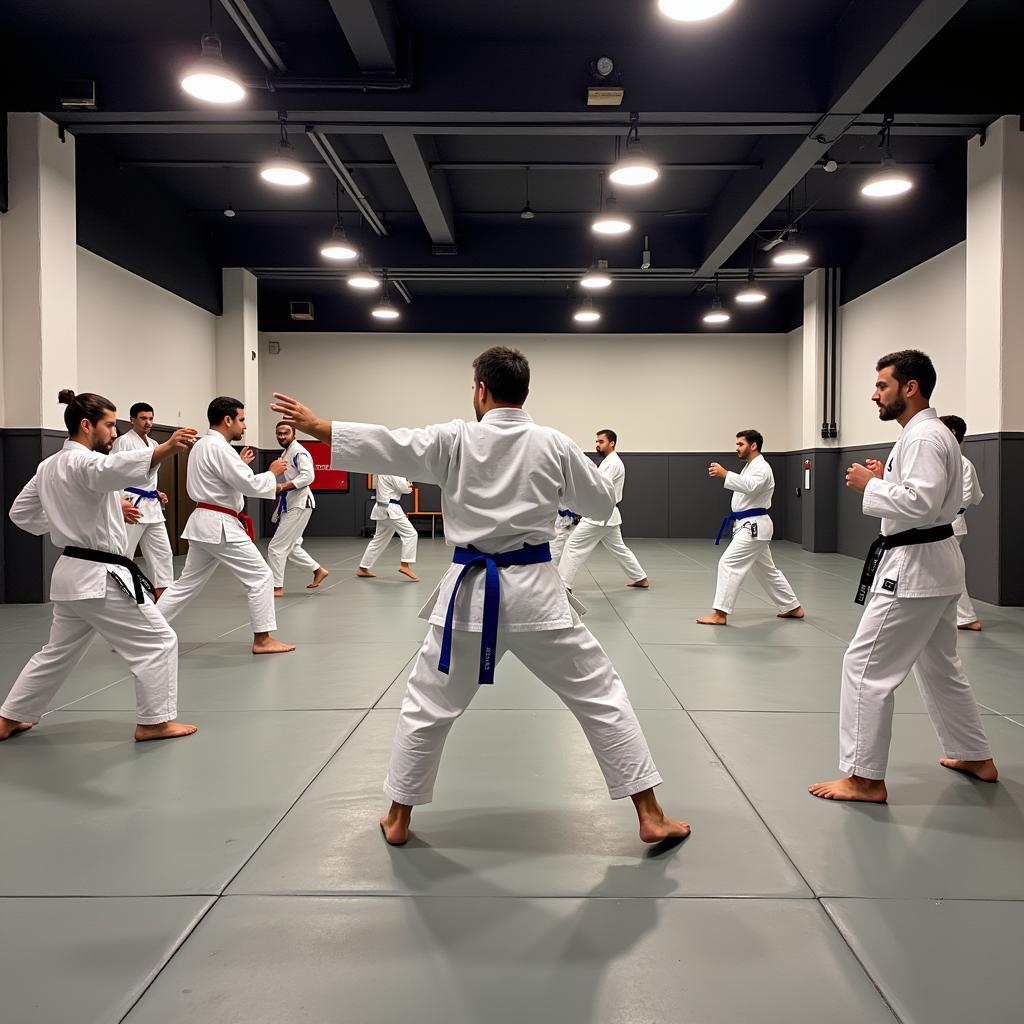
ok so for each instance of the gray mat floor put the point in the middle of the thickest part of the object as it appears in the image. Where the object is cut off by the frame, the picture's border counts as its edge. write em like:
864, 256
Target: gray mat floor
239, 875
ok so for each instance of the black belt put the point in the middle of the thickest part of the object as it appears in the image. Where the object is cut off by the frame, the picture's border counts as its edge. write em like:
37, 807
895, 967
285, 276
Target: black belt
139, 578
895, 540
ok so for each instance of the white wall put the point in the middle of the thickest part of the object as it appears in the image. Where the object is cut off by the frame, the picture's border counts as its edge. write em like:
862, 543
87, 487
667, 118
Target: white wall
140, 343
794, 387
659, 392
924, 308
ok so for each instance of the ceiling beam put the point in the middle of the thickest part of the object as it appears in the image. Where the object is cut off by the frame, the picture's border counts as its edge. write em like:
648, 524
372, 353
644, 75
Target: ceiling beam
336, 166
874, 42
254, 35
369, 30
414, 156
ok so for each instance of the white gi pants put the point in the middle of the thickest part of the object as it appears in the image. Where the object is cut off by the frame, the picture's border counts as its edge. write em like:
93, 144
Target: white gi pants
743, 554
246, 564
584, 539
570, 661
287, 544
156, 549
896, 635
965, 612
386, 529
137, 632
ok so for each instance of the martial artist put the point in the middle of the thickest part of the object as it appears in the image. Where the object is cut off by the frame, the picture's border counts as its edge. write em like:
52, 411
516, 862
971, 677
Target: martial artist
295, 504
591, 532
966, 616
750, 528
912, 579
95, 587
390, 518
148, 525
218, 531
502, 479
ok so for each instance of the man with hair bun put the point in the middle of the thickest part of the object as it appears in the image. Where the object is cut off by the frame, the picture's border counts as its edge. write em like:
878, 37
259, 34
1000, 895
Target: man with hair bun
219, 532
502, 478
149, 527
750, 529
966, 616
74, 497
912, 579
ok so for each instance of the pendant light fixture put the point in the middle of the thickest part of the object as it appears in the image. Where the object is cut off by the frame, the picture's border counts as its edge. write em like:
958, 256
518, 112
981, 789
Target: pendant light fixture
338, 247
586, 314
635, 168
693, 10
363, 280
597, 276
889, 182
609, 221
750, 294
385, 309
209, 79
526, 213
284, 170
716, 315
790, 254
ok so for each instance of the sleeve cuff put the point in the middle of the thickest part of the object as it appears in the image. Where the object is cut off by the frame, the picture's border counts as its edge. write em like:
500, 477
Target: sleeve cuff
337, 444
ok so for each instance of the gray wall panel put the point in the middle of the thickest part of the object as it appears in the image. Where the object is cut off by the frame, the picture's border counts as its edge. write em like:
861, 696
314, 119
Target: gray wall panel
855, 531
981, 546
645, 498
1011, 501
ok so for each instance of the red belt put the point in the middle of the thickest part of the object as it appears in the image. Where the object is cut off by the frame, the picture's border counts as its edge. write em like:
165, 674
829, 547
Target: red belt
245, 520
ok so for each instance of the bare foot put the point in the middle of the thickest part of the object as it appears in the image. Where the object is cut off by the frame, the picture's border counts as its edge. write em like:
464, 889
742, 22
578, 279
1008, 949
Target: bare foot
974, 626
9, 728
278, 591
984, 770
716, 618
796, 613
642, 584
395, 824
318, 577
406, 570
163, 731
655, 825
264, 643
365, 573
871, 791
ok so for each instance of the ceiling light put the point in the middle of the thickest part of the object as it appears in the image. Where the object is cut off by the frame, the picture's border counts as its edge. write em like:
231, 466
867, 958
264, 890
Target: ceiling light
887, 183
635, 168
597, 276
716, 314
693, 10
526, 213
338, 247
384, 310
609, 221
751, 295
364, 280
586, 314
284, 169
209, 78
230, 211
790, 255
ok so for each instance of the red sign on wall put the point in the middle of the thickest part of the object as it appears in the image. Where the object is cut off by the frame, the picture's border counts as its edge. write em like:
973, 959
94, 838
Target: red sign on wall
325, 478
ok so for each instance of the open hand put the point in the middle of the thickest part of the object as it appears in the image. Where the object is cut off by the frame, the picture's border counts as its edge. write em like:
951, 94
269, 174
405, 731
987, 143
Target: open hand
301, 417
247, 455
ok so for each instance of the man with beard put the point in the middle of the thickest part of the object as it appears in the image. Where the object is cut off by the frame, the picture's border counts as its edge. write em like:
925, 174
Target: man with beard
295, 504
502, 478
912, 579
95, 588
218, 531
590, 532
148, 526
751, 530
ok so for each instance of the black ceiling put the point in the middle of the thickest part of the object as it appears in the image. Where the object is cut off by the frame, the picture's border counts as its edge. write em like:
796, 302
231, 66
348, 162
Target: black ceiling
436, 108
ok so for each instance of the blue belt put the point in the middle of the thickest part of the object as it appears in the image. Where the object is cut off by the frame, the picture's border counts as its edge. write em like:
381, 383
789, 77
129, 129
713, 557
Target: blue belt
732, 517
567, 513
528, 554
154, 495
282, 504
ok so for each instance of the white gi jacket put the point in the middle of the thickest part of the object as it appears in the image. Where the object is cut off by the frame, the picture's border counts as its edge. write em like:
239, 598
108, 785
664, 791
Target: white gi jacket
502, 481
922, 487
972, 496
299, 471
218, 476
75, 496
388, 487
752, 487
613, 469
152, 510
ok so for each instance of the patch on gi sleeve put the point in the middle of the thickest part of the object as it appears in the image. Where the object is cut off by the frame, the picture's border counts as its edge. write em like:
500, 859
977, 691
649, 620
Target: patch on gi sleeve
889, 585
